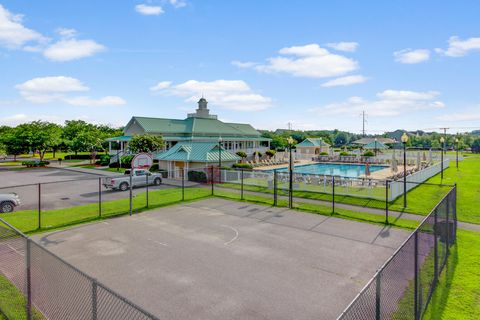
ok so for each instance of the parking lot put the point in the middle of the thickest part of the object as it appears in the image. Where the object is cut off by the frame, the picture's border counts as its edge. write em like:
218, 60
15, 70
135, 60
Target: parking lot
219, 259
62, 188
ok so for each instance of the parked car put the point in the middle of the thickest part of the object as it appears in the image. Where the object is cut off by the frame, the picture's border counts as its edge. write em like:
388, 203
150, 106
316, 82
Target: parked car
139, 178
8, 202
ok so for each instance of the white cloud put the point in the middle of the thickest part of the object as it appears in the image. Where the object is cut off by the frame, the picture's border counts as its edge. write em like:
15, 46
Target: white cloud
72, 49
66, 32
389, 103
459, 48
178, 3
412, 56
345, 81
13, 34
60, 88
229, 94
52, 84
343, 46
308, 61
161, 85
244, 65
148, 10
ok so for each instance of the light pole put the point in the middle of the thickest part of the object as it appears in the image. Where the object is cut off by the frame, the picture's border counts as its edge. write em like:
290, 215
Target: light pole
118, 155
456, 148
290, 170
404, 142
442, 142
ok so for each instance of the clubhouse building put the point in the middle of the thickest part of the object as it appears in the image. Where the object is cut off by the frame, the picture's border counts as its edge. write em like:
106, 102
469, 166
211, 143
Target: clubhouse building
194, 141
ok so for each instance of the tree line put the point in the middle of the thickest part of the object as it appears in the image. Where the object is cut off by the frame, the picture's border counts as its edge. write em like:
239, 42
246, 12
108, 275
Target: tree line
337, 138
41, 136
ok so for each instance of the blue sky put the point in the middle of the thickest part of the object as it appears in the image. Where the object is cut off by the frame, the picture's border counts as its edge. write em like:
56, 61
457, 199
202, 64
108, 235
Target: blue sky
315, 64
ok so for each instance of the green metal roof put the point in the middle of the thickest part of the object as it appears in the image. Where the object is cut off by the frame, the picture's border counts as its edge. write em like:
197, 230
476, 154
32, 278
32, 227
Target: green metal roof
313, 142
375, 145
194, 127
196, 152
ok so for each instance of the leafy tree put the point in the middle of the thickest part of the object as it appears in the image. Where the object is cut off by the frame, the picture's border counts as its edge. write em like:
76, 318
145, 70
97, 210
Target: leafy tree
145, 143
341, 139
14, 143
476, 146
74, 133
40, 135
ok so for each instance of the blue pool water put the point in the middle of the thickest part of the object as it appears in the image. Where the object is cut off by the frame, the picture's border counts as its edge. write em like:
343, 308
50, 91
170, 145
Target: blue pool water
335, 169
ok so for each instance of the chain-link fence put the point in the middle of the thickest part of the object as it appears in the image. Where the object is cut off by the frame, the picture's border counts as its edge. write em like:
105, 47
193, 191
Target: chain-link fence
403, 286
40, 285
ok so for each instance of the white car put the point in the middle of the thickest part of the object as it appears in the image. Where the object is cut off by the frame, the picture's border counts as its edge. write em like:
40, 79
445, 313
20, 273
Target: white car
8, 202
139, 178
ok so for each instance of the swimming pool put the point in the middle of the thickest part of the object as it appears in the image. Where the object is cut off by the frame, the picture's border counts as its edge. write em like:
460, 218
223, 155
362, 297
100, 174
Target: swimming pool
335, 169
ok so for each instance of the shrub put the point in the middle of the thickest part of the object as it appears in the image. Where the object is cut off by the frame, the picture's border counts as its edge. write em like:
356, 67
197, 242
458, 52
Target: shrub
241, 154
270, 153
242, 166
259, 154
126, 161
80, 157
324, 153
104, 160
343, 154
32, 164
154, 168
197, 176
368, 154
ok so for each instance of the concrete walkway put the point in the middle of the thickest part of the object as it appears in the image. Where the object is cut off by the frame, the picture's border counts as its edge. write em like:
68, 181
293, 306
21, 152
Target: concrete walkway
381, 212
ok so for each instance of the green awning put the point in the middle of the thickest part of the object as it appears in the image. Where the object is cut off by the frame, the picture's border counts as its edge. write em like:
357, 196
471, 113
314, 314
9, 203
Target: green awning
196, 152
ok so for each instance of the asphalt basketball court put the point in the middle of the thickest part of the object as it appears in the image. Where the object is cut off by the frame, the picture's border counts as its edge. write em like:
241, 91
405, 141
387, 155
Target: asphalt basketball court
221, 259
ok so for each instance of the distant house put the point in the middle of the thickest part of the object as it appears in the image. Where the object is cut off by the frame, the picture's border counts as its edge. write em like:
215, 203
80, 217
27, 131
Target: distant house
199, 131
313, 146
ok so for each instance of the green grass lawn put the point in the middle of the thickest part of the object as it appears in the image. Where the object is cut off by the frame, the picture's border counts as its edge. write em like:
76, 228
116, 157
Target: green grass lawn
458, 295
420, 200
12, 302
27, 220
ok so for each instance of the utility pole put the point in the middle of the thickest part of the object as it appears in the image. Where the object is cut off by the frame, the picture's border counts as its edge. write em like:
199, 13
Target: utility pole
363, 123
289, 126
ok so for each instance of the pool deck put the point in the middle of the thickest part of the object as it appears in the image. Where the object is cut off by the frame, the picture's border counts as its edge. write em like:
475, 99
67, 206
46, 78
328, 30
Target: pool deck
378, 175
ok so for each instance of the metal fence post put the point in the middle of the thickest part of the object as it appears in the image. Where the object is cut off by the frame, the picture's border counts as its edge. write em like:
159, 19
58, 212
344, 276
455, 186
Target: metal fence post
130, 192
386, 201
241, 185
29, 280
100, 197
183, 184
94, 299
275, 188
416, 306
290, 188
435, 249
39, 206
377, 297
333, 194
448, 230
146, 189
212, 180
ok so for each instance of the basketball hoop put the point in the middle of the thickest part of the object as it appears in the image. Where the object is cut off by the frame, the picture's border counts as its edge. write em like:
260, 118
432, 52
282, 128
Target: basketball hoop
142, 161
